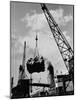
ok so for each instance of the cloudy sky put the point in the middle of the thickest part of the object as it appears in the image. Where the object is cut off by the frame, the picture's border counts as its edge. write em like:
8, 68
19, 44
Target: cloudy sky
27, 20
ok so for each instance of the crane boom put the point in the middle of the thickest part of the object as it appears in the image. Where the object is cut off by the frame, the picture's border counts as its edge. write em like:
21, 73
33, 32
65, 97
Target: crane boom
63, 45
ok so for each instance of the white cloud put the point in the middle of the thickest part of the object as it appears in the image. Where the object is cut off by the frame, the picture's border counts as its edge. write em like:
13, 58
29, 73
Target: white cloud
35, 21
38, 21
59, 16
68, 18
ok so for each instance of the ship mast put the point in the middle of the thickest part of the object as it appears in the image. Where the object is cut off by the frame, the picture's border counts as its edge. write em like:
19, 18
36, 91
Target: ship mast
36, 54
22, 73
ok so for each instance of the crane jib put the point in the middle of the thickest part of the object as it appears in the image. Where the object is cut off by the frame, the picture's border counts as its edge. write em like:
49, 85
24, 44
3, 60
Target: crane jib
68, 54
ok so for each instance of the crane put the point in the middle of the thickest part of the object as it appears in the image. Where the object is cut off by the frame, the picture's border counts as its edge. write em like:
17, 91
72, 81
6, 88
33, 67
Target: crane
63, 45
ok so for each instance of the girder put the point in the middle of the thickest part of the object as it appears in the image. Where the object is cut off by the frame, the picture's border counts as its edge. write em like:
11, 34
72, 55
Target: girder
63, 45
